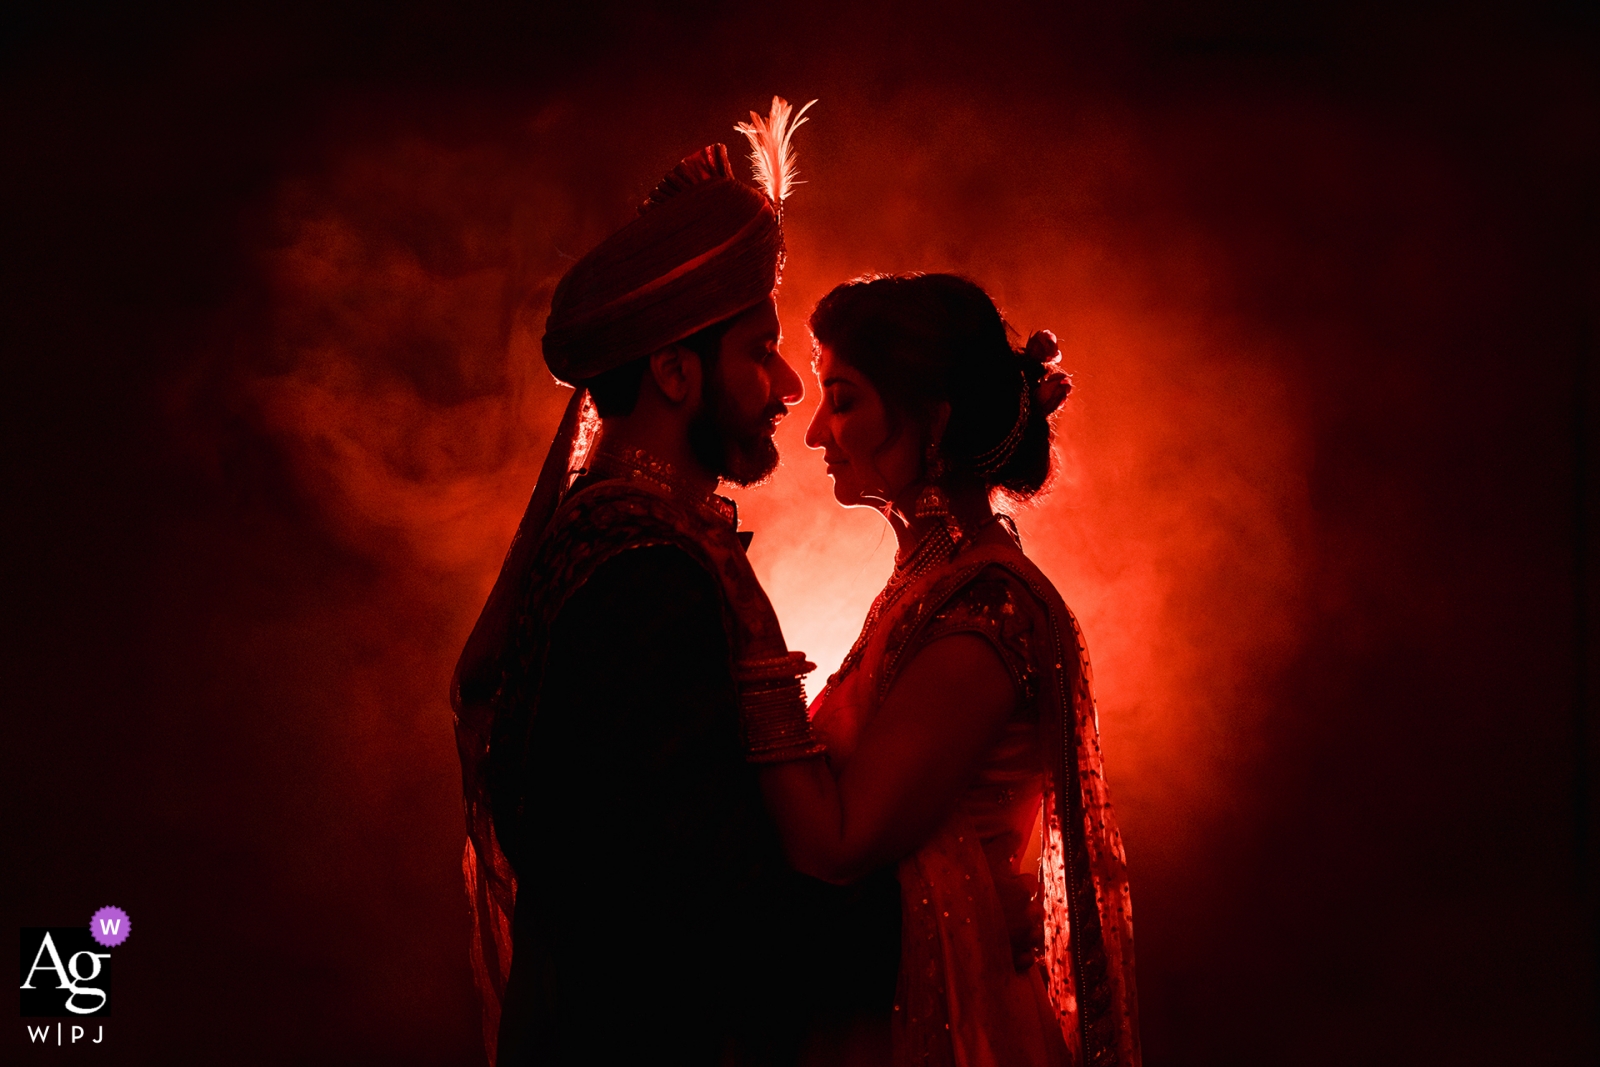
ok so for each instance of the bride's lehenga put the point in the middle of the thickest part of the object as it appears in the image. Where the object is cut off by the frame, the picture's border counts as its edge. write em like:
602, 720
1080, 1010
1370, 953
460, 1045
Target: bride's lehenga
1016, 930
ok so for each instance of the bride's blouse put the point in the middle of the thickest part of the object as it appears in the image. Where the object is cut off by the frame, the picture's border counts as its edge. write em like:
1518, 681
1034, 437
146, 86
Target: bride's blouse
1016, 939
994, 964
1002, 802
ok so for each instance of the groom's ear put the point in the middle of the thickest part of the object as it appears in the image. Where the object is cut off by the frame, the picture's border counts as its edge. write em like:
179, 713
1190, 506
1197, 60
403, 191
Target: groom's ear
676, 371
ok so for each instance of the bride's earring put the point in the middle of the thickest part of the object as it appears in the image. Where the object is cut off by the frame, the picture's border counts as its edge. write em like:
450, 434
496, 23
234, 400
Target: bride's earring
932, 503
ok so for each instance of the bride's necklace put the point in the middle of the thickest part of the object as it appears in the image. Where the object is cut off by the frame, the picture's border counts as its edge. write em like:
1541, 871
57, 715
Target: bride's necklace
936, 547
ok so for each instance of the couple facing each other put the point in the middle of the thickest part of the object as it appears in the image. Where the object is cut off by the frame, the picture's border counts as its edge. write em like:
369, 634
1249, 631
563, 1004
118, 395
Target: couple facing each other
668, 858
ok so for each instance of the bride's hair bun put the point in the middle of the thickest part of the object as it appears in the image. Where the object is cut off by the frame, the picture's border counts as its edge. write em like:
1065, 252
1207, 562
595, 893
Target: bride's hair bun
1052, 386
923, 339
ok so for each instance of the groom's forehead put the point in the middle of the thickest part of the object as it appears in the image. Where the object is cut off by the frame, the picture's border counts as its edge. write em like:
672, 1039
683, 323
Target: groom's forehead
759, 324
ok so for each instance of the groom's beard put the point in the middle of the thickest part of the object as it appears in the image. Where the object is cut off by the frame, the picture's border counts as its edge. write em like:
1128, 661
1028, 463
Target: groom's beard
741, 454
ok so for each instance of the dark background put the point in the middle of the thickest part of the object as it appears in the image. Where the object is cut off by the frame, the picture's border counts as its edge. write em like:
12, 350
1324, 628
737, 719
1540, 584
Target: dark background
273, 277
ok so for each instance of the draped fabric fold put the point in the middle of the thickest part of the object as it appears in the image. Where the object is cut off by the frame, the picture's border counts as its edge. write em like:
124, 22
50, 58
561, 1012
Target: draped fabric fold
1088, 907
479, 679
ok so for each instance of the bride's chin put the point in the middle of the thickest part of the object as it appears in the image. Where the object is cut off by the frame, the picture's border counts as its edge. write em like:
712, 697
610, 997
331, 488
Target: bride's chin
857, 500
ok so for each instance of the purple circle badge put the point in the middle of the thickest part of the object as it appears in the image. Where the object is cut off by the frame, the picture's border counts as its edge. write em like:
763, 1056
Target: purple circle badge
109, 926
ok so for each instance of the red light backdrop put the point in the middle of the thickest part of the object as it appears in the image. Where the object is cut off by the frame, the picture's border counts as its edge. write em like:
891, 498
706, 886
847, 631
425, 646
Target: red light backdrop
400, 382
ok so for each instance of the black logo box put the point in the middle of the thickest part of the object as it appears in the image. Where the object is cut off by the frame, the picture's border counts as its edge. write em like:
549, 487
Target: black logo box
78, 954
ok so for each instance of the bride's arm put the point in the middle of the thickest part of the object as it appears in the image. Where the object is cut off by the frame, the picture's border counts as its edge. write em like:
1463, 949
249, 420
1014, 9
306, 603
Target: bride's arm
914, 757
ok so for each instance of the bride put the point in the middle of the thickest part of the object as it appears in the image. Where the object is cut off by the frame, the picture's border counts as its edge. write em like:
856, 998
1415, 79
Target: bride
961, 740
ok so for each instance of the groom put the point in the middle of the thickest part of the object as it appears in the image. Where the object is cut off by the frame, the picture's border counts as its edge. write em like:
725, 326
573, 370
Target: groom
597, 710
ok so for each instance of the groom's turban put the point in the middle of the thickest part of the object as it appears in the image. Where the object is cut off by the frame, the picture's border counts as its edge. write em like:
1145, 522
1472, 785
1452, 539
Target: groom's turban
704, 247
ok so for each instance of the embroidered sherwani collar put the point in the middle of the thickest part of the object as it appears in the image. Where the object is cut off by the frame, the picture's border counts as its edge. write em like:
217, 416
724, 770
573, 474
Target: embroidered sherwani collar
640, 466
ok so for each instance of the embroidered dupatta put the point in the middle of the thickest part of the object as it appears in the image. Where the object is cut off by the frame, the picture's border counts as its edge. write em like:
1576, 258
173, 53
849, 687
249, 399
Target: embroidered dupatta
960, 1000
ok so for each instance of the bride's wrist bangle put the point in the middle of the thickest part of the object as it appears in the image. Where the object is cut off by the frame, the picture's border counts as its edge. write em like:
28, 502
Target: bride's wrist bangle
772, 709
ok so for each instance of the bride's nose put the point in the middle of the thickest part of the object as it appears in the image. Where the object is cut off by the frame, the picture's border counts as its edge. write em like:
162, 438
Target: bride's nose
816, 429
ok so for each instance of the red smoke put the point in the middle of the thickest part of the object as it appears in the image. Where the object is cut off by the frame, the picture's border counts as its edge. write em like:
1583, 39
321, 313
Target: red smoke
403, 388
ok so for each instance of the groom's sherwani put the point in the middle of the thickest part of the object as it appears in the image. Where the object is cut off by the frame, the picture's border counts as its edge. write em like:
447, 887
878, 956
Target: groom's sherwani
654, 910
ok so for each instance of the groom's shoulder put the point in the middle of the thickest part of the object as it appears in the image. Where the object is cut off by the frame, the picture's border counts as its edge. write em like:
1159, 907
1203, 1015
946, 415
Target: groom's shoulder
640, 549
632, 554
596, 522
614, 507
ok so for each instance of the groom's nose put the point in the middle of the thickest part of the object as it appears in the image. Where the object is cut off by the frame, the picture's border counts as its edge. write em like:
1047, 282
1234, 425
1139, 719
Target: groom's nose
786, 384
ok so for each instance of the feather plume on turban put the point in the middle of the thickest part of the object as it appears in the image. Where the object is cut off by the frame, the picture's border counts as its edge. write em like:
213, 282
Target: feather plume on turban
704, 247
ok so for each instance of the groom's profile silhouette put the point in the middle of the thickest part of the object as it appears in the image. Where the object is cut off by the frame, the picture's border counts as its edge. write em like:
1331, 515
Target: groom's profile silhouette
631, 900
